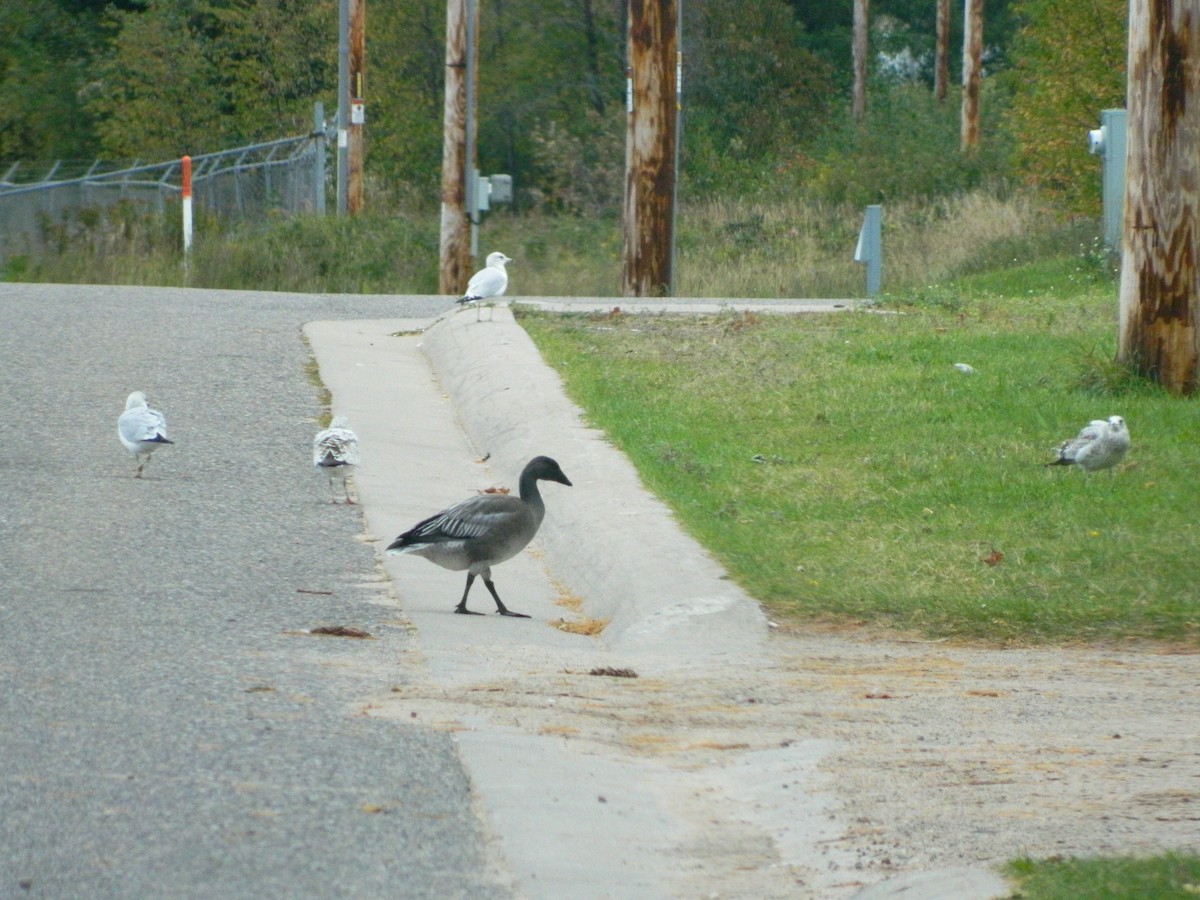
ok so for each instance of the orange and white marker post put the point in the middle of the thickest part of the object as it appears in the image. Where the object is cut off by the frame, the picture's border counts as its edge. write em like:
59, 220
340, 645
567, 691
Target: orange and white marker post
186, 167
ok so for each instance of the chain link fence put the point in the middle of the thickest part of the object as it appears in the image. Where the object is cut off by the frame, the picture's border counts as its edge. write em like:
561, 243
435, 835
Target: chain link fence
283, 177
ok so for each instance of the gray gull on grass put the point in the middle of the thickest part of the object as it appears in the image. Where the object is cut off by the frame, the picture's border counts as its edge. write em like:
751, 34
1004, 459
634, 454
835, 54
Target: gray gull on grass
1100, 445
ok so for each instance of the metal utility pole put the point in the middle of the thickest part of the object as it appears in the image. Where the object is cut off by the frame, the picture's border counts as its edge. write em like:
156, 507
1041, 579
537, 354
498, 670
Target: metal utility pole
1159, 333
678, 134
650, 142
343, 107
351, 115
859, 54
972, 72
941, 66
319, 175
458, 142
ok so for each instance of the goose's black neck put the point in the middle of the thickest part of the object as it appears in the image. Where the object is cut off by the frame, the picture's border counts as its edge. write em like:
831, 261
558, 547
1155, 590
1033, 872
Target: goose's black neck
529, 487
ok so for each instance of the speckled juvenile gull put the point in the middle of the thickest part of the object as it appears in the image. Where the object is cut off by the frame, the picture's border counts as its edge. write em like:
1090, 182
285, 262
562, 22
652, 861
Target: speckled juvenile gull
141, 429
490, 281
1100, 445
335, 452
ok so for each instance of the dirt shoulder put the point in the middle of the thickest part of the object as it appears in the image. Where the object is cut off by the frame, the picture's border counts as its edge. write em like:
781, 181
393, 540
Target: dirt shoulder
836, 763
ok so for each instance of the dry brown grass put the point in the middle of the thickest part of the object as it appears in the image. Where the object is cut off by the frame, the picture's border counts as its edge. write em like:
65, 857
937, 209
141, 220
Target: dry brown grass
785, 248
734, 248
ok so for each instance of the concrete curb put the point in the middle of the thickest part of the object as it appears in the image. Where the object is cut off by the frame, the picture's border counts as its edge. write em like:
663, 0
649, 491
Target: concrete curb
614, 543
686, 306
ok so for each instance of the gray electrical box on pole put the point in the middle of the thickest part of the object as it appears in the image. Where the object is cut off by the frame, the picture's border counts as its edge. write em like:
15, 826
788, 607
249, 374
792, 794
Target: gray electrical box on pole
501, 188
483, 191
1108, 142
489, 189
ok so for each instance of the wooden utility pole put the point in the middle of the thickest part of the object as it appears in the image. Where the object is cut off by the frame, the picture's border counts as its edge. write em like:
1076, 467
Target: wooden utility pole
455, 251
859, 55
358, 114
650, 147
972, 72
941, 65
1160, 270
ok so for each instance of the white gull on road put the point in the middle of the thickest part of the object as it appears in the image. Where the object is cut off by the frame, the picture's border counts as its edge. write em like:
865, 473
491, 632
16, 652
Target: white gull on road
335, 452
1100, 445
141, 429
490, 281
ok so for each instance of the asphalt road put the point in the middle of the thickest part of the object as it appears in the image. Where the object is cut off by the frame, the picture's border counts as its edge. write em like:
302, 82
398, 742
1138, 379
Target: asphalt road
167, 729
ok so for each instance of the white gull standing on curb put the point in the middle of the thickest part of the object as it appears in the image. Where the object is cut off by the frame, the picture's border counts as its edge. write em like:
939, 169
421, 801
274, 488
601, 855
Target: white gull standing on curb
141, 429
1100, 445
335, 452
490, 281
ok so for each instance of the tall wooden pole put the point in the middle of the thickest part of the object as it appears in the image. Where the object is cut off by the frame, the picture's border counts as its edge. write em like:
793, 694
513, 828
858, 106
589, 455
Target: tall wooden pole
650, 148
455, 250
941, 65
343, 109
357, 88
1160, 270
972, 72
859, 58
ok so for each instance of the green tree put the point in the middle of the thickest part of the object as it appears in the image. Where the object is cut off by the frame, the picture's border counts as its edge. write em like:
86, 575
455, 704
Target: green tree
190, 76
46, 51
752, 91
552, 75
155, 96
1068, 63
899, 26
274, 58
406, 58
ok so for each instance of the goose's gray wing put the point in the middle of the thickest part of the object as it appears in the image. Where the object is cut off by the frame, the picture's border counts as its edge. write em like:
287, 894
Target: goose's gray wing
472, 518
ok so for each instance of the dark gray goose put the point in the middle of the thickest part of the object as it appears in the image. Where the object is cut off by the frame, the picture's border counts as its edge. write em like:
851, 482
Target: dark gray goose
483, 531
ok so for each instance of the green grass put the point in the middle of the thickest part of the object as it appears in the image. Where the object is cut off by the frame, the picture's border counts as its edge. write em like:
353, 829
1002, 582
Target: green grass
842, 470
1121, 878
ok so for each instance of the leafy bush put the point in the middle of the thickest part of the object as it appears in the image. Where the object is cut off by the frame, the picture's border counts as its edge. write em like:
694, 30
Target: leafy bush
576, 174
907, 148
752, 89
1068, 64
